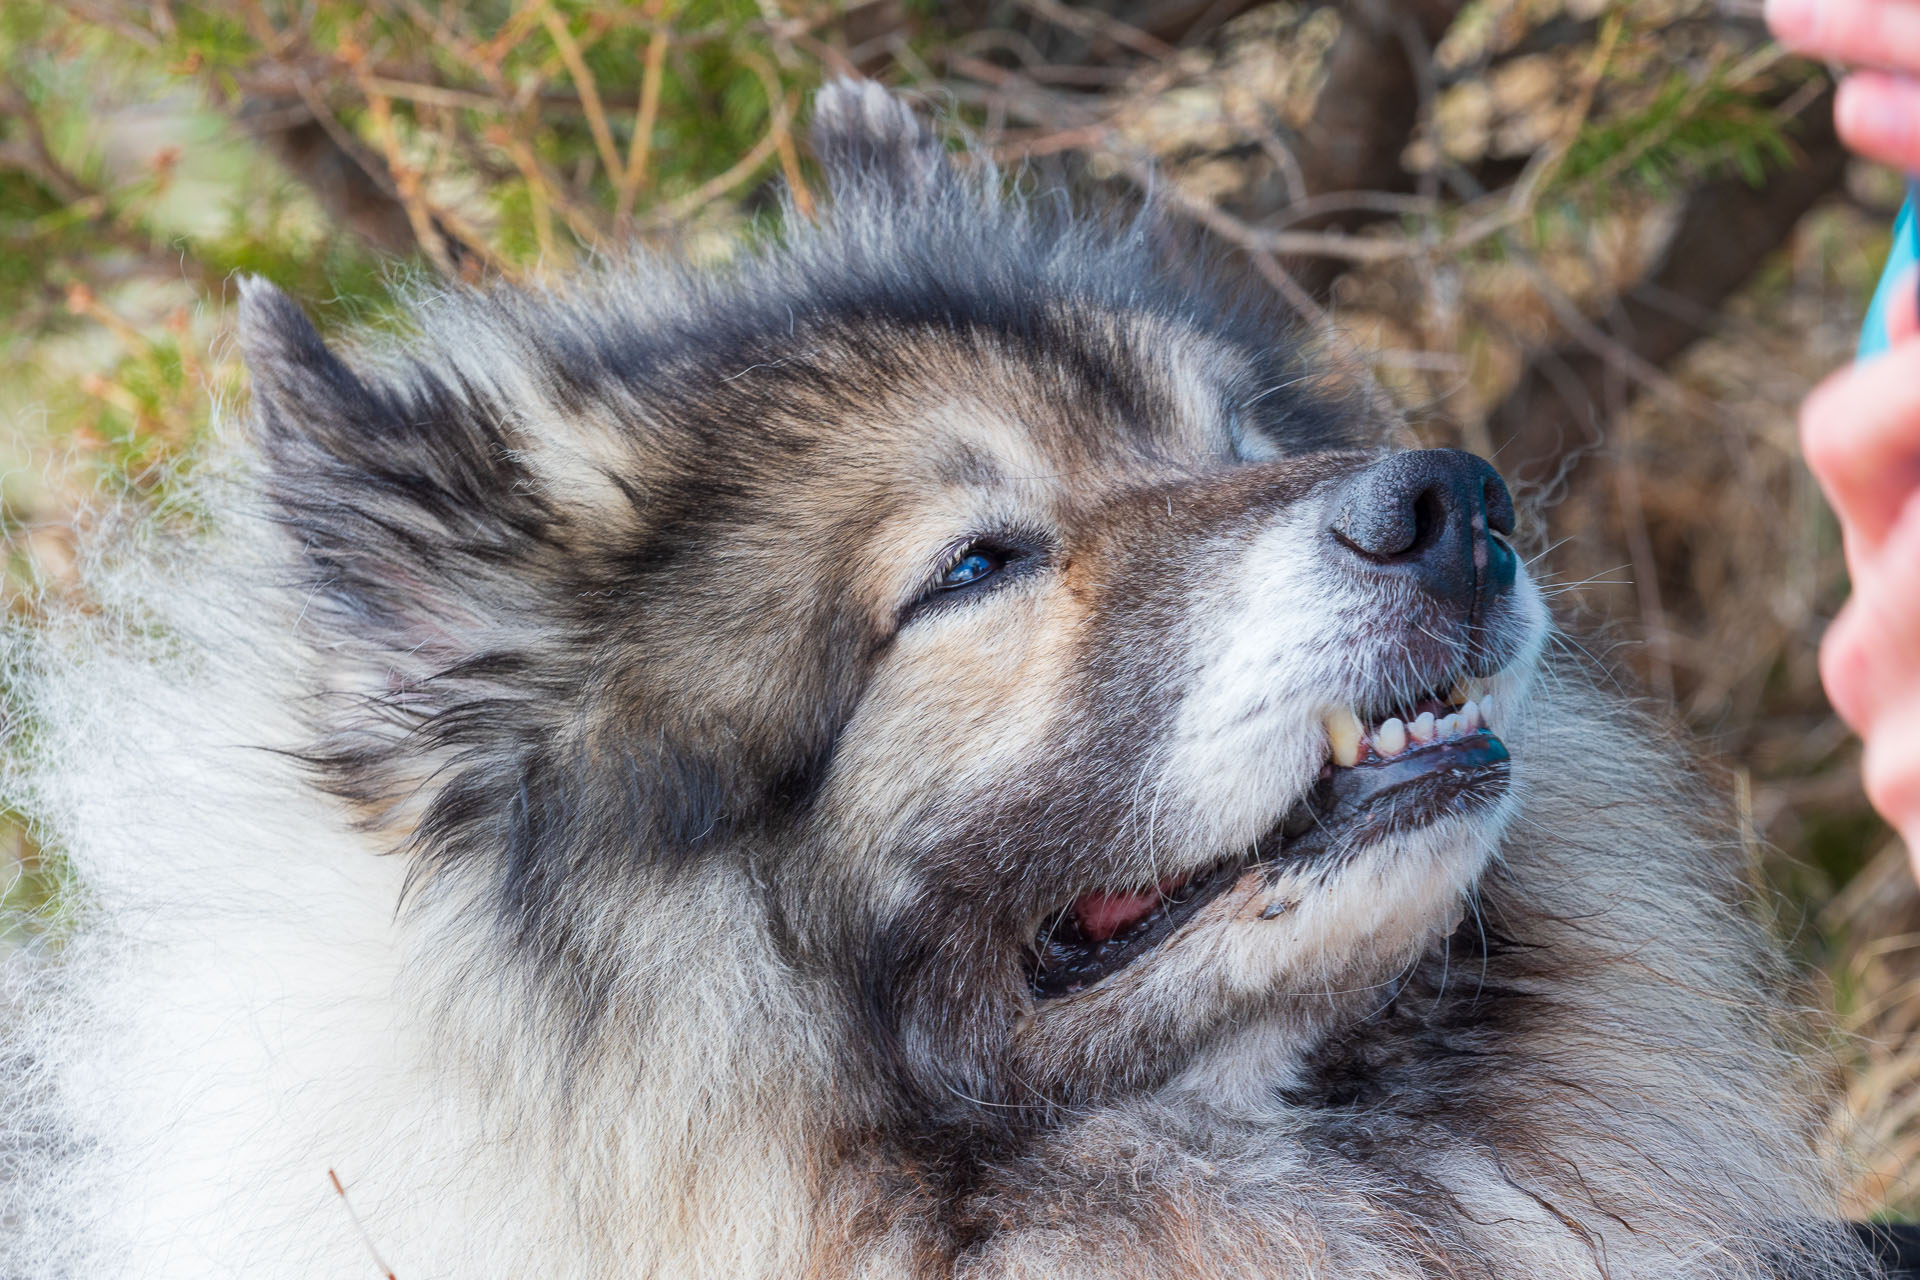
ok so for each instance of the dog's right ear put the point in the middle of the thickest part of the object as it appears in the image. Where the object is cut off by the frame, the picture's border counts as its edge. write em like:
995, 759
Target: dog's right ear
866, 138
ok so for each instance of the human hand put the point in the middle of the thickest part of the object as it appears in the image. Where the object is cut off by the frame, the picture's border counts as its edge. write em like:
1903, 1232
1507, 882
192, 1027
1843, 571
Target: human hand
1861, 433
1861, 427
1877, 109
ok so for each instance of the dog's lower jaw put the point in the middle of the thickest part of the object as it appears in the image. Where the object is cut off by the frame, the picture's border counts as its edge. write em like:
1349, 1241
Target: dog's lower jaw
1256, 1058
1275, 985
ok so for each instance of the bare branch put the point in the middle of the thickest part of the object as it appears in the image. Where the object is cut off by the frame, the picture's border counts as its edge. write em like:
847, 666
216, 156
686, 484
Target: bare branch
32, 155
1726, 231
1368, 107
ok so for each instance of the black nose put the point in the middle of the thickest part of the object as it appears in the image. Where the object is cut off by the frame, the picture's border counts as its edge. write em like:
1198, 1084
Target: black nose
1429, 516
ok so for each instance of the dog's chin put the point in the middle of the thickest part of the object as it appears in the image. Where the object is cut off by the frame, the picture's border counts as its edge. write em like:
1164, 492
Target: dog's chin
1373, 866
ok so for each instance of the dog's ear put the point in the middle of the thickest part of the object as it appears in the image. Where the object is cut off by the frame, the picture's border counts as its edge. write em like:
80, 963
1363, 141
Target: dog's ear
450, 603
284, 353
866, 138
409, 502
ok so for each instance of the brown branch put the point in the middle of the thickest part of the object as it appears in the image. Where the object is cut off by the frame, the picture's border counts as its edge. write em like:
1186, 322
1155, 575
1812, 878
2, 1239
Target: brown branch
589, 91
1366, 112
1093, 25
115, 214
351, 184
31, 154
1185, 21
640, 147
1726, 231
354, 186
713, 188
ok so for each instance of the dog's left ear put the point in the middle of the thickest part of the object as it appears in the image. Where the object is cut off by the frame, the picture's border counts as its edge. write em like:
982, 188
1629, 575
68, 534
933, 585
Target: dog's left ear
866, 138
288, 362
430, 551
412, 510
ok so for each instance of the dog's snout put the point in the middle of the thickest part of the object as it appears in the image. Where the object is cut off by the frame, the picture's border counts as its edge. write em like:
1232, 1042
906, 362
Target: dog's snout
1429, 515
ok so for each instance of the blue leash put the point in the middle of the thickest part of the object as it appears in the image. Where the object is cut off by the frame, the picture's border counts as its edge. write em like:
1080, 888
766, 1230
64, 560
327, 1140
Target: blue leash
1906, 252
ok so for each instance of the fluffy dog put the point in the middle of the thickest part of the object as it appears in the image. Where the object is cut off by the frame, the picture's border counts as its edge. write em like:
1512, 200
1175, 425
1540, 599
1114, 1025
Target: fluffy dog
931, 750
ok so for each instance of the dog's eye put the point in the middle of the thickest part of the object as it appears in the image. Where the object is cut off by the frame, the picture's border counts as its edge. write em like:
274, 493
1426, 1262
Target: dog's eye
977, 568
974, 564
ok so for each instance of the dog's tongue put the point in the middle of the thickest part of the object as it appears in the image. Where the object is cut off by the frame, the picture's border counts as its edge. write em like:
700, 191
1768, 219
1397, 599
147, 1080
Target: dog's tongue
1103, 915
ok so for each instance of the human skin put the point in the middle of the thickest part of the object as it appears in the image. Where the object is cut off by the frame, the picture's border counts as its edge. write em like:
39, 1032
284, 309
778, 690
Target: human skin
1860, 428
1877, 109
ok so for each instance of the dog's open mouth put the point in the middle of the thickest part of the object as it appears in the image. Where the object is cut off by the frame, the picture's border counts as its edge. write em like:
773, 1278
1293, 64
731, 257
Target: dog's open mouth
1391, 771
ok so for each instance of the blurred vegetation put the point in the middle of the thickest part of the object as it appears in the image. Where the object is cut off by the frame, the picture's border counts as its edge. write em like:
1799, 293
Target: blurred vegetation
1610, 243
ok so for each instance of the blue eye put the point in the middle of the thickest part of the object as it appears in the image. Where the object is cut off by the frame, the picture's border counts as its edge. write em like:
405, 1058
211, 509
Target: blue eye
976, 569
971, 568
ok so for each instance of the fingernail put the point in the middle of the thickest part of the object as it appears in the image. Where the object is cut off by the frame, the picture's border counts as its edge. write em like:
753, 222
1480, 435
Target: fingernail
1794, 22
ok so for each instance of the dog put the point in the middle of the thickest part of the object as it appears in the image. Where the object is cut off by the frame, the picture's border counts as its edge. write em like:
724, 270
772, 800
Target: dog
940, 747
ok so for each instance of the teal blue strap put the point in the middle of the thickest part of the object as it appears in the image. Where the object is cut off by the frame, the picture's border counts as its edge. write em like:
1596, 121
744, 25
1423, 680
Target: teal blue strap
1900, 262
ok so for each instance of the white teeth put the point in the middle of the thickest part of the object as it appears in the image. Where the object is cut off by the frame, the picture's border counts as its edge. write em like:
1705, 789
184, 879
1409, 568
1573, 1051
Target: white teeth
1348, 740
1343, 737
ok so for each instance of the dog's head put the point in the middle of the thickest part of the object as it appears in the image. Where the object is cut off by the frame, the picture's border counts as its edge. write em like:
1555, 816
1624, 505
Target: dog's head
997, 625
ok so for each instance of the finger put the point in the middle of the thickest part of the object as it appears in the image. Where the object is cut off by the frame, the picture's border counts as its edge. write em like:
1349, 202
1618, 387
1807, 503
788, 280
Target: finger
1860, 430
1870, 656
1890, 769
1903, 310
1878, 115
1873, 33
1846, 669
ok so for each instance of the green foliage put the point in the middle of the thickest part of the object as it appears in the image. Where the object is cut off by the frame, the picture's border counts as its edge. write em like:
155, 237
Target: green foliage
133, 186
1688, 129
